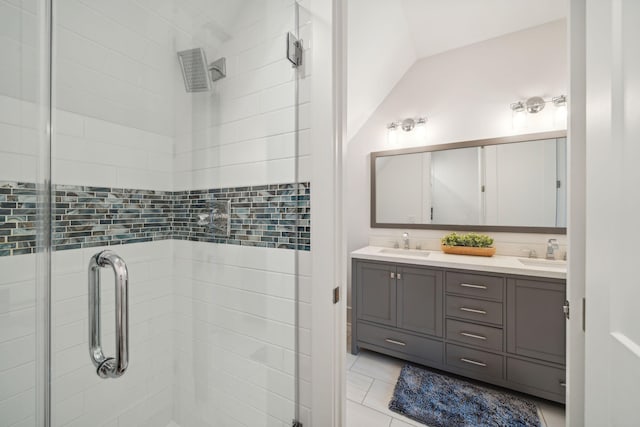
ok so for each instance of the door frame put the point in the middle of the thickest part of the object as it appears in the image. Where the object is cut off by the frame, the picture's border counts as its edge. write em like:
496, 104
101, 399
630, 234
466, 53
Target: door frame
576, 227
328, 347
576, 34
339, 44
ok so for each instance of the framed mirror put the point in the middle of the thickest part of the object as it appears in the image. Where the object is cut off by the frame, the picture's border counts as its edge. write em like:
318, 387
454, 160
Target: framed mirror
510, 184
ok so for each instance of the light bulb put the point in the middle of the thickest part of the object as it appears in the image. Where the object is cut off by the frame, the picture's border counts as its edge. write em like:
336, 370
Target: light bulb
518, 119
392, 136
561, 115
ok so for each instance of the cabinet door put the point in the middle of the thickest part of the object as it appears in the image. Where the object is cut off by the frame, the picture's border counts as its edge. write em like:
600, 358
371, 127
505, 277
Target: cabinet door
376, 292
420, 300
535, 320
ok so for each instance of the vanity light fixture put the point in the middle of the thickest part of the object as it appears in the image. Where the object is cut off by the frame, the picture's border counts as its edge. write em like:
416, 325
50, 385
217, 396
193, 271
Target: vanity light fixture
517, 107
536, 104
559, 101
407, 125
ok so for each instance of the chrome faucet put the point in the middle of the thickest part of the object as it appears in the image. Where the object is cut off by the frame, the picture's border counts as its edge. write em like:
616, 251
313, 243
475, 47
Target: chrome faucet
552, 247
405, 240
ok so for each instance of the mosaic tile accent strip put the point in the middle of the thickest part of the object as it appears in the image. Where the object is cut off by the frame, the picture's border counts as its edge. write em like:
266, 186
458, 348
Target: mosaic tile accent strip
270, 216
18, 218
86, 217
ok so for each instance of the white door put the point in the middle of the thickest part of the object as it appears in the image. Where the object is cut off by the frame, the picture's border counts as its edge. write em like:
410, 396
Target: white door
612, 392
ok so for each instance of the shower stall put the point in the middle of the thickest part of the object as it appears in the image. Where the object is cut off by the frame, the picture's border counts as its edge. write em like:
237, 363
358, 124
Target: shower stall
154, 218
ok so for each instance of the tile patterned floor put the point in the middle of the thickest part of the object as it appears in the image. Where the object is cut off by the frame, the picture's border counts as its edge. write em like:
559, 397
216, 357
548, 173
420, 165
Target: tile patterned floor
371, 378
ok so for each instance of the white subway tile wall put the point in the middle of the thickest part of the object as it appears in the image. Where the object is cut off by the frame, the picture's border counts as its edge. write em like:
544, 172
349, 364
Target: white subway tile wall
213, 334
235, 307
235, 335
143, 394
17, 339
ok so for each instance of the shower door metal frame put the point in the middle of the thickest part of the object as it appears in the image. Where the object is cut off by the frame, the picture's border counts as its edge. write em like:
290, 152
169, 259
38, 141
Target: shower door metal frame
44, 198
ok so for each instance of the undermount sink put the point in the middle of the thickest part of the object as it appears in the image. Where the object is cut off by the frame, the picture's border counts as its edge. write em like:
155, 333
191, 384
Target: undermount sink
405, 252
548, 263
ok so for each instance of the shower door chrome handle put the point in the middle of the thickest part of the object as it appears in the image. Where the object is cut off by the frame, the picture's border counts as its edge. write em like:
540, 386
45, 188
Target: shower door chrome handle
109, 367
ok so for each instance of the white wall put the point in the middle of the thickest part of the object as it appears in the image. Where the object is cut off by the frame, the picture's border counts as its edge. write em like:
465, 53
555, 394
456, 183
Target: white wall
465, 94
380, 51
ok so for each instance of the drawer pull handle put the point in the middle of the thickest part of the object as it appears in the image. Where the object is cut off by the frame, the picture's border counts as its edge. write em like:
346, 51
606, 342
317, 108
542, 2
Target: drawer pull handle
473, 362
392, 275
469, 285
563, 384
472, 310
389, 340
478, 337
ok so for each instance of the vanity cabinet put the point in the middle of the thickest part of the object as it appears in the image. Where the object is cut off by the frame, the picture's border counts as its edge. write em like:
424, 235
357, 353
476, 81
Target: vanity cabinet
408, 298
377, 299
504, 329
536, 320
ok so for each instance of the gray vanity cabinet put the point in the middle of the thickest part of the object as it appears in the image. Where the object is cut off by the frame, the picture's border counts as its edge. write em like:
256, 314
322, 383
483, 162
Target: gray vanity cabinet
419, 295
535, 319
504, 329
405, 297
376, 300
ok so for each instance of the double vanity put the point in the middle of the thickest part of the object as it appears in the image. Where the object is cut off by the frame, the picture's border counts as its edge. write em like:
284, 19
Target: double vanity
498, 319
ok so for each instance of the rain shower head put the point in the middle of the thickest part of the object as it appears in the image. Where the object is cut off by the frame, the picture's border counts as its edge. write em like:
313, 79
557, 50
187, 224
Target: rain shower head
197, 74
194, 70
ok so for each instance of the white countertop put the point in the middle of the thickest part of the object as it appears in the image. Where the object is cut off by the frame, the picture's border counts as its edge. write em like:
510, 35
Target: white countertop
494, 264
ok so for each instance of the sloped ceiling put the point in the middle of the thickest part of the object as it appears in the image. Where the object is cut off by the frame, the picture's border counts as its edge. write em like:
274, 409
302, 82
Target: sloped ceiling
437, 26
386, 37
380, 50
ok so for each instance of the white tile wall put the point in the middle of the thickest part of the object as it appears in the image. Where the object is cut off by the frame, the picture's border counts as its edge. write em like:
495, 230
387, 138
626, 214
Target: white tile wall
212, 326
19, 139
88, 151
145, 391
247, 135
110, 69
17, 338
235, 334
19, 61
235, 306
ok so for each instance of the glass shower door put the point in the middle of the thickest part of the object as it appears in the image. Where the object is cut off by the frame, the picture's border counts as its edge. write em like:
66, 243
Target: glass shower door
175, 184
24, 113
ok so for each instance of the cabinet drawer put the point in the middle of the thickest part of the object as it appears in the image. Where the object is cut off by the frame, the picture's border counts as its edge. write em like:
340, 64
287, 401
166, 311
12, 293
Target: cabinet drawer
475, 285
474, 309
533, 375
398, 341
476, 361
477, 335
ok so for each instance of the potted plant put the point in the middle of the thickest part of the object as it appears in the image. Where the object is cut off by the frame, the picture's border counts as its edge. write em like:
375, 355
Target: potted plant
468, 244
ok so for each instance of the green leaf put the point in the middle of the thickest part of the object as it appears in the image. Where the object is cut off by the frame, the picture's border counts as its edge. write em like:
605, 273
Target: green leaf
471, 239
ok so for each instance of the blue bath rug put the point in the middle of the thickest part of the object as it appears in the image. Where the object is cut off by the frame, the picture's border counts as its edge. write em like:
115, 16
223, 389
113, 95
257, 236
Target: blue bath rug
441, 401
